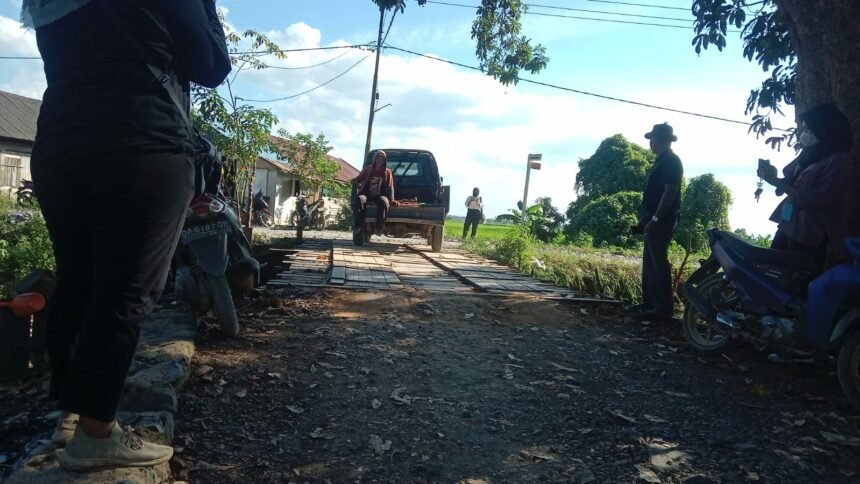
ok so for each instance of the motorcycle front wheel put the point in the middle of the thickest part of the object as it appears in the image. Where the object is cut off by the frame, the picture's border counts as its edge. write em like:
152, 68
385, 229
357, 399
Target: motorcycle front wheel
266, 220
701, 334
222, 301
848, 368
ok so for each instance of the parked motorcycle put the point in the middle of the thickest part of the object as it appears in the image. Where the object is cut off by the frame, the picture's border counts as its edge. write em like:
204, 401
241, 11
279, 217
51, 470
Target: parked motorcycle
776, 300
214, 261
262, 214
25, 196
309, 216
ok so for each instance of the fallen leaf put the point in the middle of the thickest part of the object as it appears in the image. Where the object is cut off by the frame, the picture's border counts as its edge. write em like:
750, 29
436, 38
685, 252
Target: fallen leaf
222, 382
313, 368
275, 375
523, 387
295, 410
204, 370
583, 311
318, 433
375, 404
509, 374
469, 315
242, 393
617, 414
678, 394
647, 475
562, 367
329, 366
513, 358
564, 377
378, 446
840, 439
536, 456
654, 419
328, 375
397, 397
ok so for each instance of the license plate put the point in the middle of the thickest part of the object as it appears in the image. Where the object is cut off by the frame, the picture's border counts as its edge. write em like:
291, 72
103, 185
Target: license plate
205, 230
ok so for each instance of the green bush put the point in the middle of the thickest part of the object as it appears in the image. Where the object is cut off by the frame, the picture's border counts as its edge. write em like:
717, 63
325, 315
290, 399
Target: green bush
24, 246
608, 220
344, 219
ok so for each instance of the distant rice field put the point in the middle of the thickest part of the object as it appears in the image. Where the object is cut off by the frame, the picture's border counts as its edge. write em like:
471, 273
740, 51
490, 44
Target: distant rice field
454, 230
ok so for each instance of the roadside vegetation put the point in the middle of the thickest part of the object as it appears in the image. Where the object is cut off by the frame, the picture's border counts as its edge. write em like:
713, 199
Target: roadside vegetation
24, 244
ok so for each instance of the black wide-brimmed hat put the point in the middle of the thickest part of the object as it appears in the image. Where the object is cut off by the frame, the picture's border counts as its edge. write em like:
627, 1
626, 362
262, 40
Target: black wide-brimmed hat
662, 132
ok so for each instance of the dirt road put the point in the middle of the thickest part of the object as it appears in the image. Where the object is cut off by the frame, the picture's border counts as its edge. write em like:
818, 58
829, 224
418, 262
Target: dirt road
412, 385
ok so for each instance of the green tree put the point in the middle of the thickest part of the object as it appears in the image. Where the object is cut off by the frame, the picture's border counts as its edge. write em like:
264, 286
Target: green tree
308, 157
705, 205
607, 219
240, 131
546, 223
497, 31
617, 166
810, 51
759, 240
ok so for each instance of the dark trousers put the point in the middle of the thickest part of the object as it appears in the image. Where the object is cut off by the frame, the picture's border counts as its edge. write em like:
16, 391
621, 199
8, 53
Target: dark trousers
382, 205
657, 272
114, 221
473, 218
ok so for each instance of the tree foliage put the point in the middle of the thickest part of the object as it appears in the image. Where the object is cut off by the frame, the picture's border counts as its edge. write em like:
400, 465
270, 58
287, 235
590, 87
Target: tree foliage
240, 131
705, 205
766, 41
308, 158
499, 44
545, 221
617, 166
608, 218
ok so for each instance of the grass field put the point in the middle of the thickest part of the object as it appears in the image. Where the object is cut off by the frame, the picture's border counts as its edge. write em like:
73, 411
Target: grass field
454, 230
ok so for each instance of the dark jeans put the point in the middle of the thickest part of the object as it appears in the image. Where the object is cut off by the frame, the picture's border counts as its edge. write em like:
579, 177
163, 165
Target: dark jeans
657, 291
473, 218
382, 205
114, 221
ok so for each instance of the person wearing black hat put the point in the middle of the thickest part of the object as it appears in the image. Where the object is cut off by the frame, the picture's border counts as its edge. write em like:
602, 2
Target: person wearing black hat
813, 215
661, 205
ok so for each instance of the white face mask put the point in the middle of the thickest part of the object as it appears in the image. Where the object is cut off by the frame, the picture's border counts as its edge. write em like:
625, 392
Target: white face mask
808, 139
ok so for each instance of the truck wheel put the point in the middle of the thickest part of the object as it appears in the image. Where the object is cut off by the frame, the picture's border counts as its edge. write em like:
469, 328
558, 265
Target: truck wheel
222, 302
848, 368
437, 235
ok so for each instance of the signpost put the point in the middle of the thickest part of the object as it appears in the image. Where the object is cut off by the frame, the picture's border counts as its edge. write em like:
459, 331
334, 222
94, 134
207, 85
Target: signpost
533, 163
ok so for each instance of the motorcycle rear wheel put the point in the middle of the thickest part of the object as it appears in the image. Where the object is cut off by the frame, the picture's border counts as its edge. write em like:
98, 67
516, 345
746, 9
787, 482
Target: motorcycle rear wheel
702, 336
848, 368
222, 301
266, 220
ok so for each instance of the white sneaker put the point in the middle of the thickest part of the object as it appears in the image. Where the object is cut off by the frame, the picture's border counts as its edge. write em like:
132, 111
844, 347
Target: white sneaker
123, 448
67, 422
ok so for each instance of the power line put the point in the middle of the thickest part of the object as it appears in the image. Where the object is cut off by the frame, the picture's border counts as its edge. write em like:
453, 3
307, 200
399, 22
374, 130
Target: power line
309, 90
585, 93
646, 5
570, 9
285, 51
307, 67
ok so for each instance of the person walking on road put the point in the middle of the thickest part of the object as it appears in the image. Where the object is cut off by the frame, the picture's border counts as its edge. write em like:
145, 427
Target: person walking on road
475, 214
661, 206
114, 171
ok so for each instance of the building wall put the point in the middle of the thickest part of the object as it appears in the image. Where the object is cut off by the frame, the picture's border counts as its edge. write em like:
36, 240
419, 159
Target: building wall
14, 164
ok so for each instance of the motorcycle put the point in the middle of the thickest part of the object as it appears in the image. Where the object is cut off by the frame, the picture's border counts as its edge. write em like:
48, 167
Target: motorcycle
776, 299
25, 196
309, 216
214, 262
262, 214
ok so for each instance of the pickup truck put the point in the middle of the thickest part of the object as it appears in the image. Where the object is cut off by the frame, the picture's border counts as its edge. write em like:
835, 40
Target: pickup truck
416, 178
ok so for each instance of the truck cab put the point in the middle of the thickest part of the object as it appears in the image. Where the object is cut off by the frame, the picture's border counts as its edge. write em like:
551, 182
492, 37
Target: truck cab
422, 201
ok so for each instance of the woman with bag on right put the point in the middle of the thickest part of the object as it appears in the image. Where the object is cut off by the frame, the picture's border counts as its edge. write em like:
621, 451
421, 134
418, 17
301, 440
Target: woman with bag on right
474, 213
113, 168
812, 217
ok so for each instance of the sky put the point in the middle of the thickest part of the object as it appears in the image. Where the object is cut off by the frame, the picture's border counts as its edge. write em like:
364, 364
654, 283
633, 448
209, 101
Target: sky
480, 131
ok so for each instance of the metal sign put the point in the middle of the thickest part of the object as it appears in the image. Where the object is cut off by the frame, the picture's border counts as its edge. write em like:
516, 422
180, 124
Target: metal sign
534, 165
535, 157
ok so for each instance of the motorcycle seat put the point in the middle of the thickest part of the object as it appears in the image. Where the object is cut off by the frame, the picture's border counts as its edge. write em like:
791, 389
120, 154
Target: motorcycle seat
788, 259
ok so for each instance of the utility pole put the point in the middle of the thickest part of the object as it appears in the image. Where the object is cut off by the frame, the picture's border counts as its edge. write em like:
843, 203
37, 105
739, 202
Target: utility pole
533, 162
375, 84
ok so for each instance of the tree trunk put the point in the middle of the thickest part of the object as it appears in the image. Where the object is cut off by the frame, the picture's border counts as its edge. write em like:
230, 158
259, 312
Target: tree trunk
826, 38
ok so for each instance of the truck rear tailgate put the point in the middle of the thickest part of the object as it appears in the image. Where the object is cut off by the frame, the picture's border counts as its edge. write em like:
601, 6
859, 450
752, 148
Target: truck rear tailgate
429, 214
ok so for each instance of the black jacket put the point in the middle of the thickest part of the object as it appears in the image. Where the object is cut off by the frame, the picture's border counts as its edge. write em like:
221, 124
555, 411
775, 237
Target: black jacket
102, 97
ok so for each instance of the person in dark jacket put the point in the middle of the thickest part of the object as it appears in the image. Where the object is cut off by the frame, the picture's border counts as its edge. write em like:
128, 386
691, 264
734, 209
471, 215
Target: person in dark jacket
661, 206
375, 184
113, 168
812, 217
475, 212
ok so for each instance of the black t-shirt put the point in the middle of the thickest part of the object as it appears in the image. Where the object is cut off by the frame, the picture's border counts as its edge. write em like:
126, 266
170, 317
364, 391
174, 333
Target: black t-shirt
100, 94
667, 170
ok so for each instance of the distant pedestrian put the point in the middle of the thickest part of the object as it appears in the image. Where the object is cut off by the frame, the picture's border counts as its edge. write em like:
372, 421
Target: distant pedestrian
475, 214
661, 205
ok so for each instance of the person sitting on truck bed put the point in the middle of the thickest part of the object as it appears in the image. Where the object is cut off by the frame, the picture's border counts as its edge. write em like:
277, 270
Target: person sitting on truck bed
375, 183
